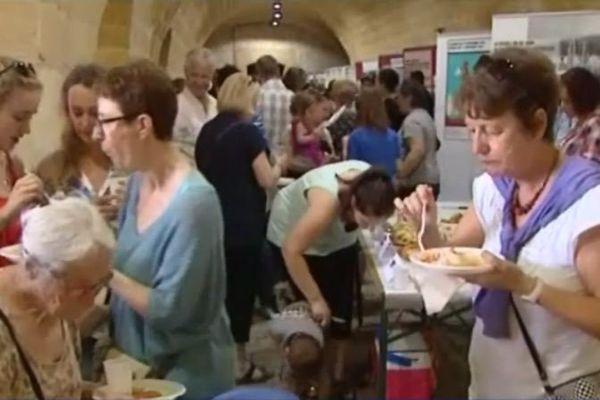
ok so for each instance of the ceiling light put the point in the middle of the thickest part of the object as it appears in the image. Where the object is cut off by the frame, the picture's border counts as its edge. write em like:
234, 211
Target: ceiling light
277, 15
277, 5
275, 23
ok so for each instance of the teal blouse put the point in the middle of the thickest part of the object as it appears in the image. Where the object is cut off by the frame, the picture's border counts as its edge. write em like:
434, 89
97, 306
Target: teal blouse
180, 257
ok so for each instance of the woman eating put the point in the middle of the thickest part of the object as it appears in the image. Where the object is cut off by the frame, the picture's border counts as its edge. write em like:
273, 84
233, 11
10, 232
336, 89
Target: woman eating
535, 212
168, 305
80, 167
62, 264
20, 94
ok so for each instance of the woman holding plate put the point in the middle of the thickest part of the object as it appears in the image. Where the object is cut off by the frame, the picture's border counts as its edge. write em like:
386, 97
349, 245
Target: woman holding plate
535, 214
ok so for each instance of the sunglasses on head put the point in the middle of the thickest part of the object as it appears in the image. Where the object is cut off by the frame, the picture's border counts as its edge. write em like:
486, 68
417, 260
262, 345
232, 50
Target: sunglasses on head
22, 68
500, 68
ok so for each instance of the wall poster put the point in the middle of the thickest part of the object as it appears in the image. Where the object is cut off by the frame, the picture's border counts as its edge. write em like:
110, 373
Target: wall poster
423, 59
462, 56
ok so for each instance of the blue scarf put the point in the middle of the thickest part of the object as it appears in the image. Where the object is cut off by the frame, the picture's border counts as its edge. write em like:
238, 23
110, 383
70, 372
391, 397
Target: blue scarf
575, 177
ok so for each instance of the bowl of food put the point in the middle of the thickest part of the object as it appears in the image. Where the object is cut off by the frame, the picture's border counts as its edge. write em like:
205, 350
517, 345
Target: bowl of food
452, 260
146, 389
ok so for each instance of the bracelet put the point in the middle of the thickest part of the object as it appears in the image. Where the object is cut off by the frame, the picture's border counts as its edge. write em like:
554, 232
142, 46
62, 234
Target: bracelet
534, 295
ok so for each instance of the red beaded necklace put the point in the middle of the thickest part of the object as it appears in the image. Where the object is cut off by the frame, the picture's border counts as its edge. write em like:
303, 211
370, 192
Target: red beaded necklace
518, 208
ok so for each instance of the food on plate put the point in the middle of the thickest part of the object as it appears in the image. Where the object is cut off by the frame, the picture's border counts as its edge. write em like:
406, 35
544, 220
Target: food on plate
463, 258
453, 257
453, 219
404, 238
138, 393
447, 230
430, 257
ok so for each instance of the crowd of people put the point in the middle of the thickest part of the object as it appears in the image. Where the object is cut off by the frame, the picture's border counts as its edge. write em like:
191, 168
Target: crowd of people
164, 207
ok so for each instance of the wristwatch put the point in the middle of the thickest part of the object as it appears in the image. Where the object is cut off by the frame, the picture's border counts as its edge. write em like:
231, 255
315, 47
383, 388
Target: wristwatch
534, 295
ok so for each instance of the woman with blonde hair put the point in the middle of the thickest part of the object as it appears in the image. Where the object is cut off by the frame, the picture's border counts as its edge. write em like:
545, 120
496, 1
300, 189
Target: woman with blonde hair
232, 154
20, 94
81, 167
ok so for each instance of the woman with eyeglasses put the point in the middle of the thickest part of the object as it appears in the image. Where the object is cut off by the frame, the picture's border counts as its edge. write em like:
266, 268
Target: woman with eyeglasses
168, 292
80, 167
20, 93
535, 213
63, 262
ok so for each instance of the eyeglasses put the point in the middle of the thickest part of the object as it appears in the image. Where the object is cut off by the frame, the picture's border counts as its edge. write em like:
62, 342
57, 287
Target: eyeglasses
104, 282
92, 289
99, 131
22, 68
500, 68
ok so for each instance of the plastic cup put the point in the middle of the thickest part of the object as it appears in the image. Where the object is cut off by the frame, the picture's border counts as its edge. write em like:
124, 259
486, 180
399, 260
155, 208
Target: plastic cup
119, 377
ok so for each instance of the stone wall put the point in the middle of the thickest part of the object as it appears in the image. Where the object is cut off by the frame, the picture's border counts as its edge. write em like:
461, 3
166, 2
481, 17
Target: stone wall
57, 34
313, 49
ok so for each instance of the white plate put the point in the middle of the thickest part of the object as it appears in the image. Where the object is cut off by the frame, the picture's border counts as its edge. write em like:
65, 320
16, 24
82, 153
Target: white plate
443, 266
169, 390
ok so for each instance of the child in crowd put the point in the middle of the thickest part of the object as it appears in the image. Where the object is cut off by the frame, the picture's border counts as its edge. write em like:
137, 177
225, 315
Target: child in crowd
309, 110
301, 340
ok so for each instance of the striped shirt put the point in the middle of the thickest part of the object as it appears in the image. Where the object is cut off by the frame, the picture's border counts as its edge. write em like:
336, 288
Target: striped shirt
274, 101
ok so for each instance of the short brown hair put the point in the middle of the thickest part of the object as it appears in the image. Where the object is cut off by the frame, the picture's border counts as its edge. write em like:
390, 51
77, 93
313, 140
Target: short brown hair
371, 192
16, 75
267, 67
141, 87
304, 99
304, 354
370, 107
583, 88
295, 79
518, 80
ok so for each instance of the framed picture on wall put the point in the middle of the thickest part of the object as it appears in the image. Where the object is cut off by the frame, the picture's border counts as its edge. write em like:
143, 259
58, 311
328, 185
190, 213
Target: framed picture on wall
421, 59
462, 56
393, 61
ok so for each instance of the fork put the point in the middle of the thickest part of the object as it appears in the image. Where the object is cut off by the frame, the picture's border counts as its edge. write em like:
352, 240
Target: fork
422, 229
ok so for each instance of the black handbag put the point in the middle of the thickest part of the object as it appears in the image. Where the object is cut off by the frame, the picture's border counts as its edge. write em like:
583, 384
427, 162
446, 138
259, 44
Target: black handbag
35, 384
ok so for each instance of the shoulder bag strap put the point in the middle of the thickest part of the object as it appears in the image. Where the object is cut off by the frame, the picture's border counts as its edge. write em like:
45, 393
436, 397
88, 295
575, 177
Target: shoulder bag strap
532, 350
35, 384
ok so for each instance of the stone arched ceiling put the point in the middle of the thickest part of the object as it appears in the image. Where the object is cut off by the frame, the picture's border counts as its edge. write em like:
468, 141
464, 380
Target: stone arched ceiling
365, 28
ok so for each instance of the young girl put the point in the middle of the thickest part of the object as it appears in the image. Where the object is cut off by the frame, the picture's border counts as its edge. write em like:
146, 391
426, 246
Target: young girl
309, 110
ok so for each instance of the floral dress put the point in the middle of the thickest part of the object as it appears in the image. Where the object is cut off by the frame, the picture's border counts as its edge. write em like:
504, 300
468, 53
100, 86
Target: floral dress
60, 379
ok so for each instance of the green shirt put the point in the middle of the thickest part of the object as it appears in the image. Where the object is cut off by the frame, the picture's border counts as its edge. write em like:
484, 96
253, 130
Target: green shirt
291, 203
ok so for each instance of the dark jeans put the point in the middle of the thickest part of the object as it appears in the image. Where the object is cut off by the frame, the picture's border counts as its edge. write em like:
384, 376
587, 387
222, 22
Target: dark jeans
267, 279
336, 275
244, 266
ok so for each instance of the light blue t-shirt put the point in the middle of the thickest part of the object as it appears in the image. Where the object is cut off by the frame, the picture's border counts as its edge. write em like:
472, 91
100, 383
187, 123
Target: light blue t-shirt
380, 149
181, 258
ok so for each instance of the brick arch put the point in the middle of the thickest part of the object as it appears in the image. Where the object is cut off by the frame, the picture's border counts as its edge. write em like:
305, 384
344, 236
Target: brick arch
114, 33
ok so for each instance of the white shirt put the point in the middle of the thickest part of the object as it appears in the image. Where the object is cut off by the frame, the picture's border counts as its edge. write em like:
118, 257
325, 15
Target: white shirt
273, 105
191, 116
503, 368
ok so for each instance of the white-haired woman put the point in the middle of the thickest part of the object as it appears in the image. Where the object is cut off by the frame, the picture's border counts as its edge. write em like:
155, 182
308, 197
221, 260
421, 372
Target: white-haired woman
59, 268
195, 105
